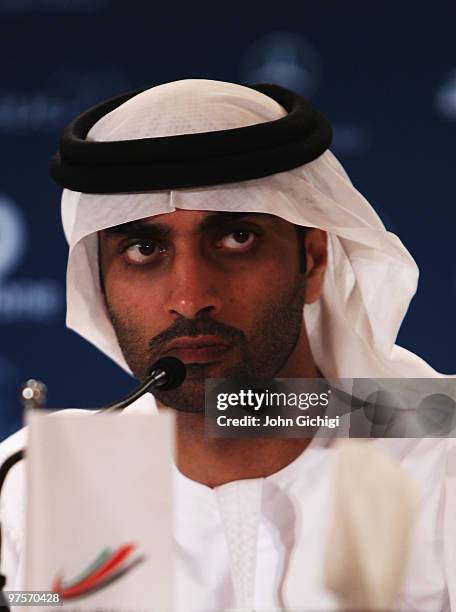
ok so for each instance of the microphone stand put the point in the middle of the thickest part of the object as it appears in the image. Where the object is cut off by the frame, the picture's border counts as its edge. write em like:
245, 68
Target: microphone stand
165, 374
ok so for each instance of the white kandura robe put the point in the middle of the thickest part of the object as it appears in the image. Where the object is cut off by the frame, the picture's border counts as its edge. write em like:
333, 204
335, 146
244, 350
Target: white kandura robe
260, 543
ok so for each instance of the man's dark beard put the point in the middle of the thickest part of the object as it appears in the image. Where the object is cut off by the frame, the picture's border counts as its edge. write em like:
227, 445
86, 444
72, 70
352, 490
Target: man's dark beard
263, 354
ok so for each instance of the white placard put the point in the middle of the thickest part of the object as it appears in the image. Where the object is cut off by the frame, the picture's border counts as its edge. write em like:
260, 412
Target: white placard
99, 511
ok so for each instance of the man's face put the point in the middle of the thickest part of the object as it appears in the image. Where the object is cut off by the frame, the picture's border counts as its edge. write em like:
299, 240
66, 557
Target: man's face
223, 292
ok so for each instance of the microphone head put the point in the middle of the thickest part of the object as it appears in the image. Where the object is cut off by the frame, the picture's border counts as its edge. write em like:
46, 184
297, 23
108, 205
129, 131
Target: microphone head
175, 372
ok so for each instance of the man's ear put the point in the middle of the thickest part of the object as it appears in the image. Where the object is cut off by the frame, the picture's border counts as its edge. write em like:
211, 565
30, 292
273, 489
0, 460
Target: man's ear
317, 258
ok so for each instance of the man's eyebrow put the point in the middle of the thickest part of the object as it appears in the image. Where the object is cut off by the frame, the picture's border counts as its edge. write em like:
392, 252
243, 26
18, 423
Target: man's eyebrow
217, 220
157, 231
138, 229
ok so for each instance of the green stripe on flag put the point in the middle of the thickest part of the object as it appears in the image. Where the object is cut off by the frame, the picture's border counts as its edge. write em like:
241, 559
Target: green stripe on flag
102, 557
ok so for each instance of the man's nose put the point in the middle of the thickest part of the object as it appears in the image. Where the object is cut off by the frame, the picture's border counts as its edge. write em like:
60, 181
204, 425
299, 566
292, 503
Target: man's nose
193, 285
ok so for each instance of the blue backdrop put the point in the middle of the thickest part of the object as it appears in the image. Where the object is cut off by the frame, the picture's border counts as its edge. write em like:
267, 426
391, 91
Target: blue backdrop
383, 73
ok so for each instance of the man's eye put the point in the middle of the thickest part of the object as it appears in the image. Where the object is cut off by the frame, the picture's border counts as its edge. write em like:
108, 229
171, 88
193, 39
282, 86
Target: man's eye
141, 252
238, 240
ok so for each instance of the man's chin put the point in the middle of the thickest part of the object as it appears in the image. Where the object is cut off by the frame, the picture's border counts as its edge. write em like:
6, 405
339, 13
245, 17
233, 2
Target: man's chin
190, 396
182, 402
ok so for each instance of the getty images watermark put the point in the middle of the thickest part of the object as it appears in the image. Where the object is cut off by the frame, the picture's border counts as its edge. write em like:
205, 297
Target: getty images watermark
356, 408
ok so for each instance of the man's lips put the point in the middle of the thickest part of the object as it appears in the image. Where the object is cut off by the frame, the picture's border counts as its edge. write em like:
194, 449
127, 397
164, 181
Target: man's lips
203, 349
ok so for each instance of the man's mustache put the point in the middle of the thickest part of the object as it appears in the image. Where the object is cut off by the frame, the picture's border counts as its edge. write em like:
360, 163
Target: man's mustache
183, 327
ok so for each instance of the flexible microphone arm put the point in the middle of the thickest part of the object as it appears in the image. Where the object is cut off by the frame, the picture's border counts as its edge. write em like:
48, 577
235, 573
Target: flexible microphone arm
165, 374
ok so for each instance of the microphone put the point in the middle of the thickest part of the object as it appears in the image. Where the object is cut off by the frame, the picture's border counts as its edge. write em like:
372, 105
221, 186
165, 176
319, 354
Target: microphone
165, 374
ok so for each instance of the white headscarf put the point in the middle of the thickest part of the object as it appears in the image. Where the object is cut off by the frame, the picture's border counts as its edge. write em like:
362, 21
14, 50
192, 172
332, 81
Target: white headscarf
370, 279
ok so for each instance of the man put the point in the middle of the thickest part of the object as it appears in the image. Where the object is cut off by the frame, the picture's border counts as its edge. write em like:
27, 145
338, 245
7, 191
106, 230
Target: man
184, 207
